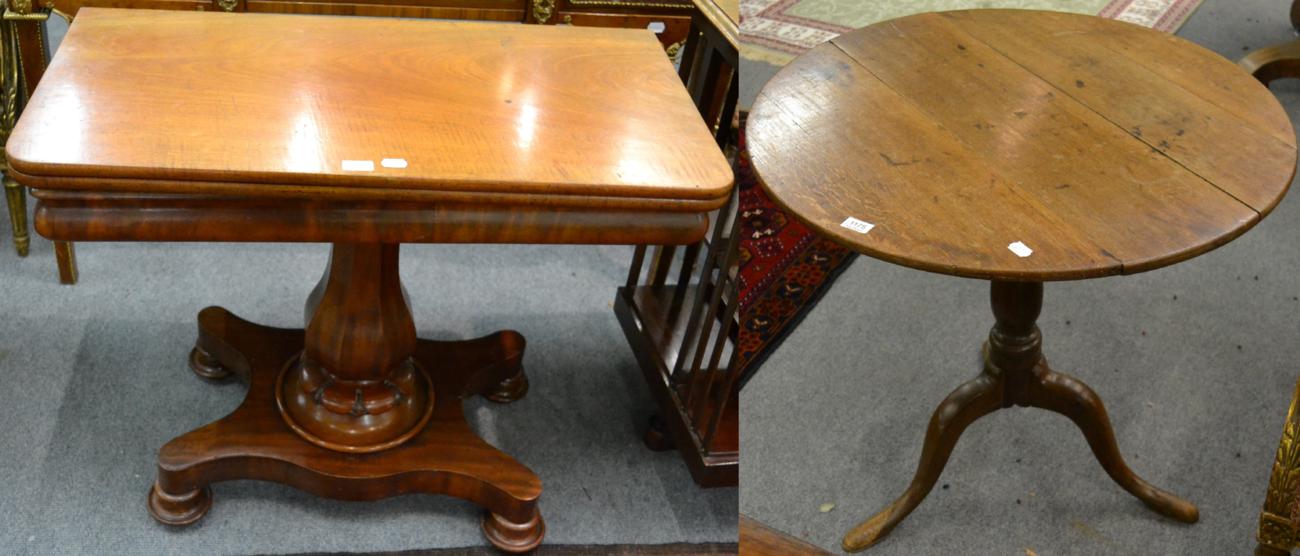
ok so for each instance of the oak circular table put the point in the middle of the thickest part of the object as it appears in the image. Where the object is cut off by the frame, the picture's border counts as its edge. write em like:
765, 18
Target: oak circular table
366, 134
1020, 147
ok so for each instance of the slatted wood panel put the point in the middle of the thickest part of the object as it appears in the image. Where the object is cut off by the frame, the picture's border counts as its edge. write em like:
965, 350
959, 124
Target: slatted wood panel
679, 304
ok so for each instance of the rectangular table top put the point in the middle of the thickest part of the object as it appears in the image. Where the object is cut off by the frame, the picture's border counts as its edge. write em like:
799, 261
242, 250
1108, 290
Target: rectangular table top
179, 99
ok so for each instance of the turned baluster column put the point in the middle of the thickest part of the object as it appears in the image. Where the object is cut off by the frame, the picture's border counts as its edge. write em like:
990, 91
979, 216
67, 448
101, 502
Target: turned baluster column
355, 388
1015, 345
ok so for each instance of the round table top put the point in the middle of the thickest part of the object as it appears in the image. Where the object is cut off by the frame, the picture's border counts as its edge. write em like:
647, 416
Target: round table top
1021, 145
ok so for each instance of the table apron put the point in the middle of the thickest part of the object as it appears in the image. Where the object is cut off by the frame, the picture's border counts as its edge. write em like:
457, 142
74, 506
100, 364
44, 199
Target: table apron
148, 218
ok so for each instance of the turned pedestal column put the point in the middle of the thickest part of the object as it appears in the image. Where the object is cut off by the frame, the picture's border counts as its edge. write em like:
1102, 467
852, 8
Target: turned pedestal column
356, 387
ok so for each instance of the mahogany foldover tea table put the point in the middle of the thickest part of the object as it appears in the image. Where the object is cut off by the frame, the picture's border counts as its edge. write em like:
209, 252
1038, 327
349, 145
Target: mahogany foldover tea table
1020, 147
363, 133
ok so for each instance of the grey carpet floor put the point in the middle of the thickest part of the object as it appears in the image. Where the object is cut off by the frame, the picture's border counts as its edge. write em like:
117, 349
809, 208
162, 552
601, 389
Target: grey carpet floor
94, 380
1196, 364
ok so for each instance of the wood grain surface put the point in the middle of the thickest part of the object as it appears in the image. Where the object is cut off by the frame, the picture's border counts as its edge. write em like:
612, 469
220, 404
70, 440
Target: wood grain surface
106, 217
1104, 147
561, 112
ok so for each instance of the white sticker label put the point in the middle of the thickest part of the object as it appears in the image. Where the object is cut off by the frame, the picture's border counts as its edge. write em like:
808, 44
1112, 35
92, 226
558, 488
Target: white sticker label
856, 225
657, 27
1020, 249
393, 163
358, 166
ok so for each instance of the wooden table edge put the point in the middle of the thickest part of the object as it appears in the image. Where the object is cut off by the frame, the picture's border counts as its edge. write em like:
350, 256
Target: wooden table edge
69, 216
68, 187
1063, 275
54, 176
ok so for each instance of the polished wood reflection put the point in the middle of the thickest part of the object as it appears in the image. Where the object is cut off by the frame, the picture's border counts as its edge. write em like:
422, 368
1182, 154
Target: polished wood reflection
487, 108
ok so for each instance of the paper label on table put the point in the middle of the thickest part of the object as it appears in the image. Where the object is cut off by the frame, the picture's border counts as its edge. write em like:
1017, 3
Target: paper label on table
358, 166
1020, 249
393, 163
856, 225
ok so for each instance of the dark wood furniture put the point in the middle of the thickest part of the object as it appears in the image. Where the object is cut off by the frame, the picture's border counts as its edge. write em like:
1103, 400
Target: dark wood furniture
1020, 147
679, 311
757, 539
175, 126
24, 50
670, 18
1279, 61
1279, 529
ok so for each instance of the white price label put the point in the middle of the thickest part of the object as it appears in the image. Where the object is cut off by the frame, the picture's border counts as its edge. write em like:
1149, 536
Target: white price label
358, 166
859, 226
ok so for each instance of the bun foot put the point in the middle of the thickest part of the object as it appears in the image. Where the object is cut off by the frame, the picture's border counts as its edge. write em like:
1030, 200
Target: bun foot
657, 437
206, 366
510, 389
514, 537
179, 510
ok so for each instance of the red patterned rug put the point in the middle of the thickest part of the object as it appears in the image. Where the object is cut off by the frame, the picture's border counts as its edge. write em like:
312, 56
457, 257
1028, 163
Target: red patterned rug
775, 31
784, 268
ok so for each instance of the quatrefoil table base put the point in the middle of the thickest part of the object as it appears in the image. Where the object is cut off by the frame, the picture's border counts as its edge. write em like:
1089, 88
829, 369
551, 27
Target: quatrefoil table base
445, 457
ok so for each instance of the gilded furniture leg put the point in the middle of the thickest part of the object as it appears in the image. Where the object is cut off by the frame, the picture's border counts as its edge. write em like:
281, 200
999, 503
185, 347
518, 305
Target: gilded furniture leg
1277, 526
16, 82
16, 197
1015, 374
